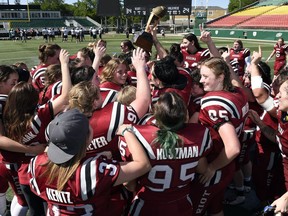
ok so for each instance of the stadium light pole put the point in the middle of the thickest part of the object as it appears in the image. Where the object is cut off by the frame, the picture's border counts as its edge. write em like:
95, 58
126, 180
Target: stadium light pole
28, 12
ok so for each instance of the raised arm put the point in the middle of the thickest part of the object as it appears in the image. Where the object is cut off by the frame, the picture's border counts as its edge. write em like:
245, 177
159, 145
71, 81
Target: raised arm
60, 103
140, 164
260, 93
158, 46
235, 78
99, 52
206, 38
143, 96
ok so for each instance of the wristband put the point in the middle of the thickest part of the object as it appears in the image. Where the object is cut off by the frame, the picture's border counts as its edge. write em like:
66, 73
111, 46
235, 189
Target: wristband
129, 129
268, 104
256, 82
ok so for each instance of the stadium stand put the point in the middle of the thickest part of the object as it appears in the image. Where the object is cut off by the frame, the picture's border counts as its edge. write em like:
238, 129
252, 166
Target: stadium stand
83, 22
34, 23
241, 16
276, 19
270, 14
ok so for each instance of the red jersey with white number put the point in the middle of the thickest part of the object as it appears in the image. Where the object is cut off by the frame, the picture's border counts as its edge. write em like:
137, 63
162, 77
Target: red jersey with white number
87, 192
105, 122
169, 179
51, 93
280, 52
38, 77
109, 92
191, 61
237, 59
219, 107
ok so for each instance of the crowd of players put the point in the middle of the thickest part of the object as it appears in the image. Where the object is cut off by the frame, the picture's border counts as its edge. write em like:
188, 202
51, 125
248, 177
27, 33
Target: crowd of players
93, 134
76, 34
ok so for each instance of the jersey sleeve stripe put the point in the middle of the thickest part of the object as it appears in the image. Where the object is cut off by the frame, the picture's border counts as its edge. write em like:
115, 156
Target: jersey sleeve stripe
136, 206
117, 118
205, 53
36, 124
32, 171
145, 144
220, 101
145, 119
56, 88
111, 97
85, 180
206, 142
38, 73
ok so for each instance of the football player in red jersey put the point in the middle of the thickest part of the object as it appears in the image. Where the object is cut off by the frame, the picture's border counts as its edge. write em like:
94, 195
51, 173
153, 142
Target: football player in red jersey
166, 76
113, 77
26, 124
48, 54
280, 50
73, 183
268, 103
267, 170
281, 138
175, 154
8, 79
239, 58
224, 109
105, 121
192, 51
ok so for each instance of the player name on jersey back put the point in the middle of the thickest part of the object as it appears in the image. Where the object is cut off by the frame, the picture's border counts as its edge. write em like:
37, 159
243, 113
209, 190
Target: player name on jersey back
180, 153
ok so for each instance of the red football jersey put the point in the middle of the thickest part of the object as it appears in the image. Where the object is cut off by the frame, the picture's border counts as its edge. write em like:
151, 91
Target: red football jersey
38, 78
53, 91
237, 59
280, 52
105, 122
268, 169
170, 178
87, 192
109, 91
191, 61
218, 107
34, 135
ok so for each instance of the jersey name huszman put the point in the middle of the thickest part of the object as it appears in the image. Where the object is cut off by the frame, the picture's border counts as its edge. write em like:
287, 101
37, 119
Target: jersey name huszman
180, 153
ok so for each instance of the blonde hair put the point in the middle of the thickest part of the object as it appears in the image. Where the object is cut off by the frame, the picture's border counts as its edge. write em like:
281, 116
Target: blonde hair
127, 95
63, 172
82, 97
110, 68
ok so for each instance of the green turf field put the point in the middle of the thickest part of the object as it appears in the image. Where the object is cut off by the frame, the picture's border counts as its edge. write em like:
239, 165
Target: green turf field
11, 52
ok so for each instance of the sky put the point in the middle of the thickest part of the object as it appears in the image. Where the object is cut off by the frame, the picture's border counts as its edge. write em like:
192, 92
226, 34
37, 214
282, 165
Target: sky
220, 3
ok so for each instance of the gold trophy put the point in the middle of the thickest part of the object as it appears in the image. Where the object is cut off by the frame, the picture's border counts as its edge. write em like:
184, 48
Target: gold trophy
145, 39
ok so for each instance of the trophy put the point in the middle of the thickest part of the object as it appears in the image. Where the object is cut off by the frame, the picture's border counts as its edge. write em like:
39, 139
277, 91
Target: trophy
145, 39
